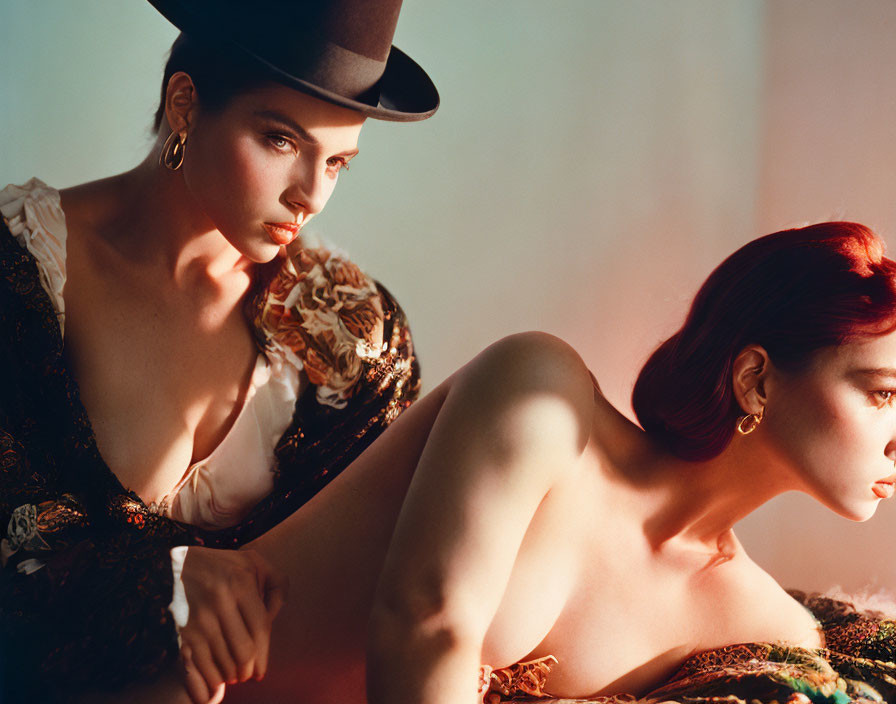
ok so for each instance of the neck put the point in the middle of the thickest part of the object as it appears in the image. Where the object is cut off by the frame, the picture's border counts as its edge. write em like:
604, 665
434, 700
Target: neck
689, 505
159, 224
700, 502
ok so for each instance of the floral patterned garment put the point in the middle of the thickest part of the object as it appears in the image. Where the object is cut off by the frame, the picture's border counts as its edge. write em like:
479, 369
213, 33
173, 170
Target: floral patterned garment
86, 577
856, 665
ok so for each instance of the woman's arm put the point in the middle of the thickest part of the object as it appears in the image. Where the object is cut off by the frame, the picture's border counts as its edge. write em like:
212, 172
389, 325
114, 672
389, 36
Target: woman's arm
515, 420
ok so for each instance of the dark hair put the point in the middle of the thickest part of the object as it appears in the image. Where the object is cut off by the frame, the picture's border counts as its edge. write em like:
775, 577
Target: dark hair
792, 292
218, 74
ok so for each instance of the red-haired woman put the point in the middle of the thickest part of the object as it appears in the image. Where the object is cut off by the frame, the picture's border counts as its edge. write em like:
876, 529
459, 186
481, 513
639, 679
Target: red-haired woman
513, 515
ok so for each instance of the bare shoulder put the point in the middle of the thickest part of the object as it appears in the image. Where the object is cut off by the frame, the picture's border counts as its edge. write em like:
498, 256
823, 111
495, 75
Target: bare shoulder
545, 363
87, 206
82, 199
543, 377
753, 607
534, 346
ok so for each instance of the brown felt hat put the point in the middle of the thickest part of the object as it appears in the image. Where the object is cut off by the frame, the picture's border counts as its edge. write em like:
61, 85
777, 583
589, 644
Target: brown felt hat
337, 50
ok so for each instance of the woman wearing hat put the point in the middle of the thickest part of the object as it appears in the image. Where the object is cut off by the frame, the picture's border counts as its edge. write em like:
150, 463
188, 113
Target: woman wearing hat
179, 370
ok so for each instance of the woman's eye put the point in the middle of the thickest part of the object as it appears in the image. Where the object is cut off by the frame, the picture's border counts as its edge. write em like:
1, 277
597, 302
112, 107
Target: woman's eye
338, 164
279, 142
885, 395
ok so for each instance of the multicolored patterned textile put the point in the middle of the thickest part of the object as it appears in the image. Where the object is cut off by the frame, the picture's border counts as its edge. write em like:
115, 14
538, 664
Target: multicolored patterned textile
857, 665
87, 578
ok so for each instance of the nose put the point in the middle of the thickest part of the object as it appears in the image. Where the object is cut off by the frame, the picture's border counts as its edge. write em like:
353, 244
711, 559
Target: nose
890, 451
307, 192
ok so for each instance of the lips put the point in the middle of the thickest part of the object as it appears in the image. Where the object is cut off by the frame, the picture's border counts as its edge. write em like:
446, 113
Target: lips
883, 490
282, 233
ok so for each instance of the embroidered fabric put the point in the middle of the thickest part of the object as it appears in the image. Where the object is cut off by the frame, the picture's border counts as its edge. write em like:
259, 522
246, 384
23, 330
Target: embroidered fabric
520, 679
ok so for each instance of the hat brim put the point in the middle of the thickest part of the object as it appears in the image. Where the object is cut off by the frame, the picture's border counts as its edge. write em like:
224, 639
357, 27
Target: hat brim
407, 94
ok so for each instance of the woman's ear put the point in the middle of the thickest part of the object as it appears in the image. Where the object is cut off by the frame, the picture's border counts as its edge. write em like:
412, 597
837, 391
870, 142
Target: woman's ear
180, 102
748, 377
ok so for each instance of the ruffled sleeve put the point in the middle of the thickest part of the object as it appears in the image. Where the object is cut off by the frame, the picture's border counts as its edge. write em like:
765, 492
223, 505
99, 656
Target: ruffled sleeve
325, 316
34, 216
353, 342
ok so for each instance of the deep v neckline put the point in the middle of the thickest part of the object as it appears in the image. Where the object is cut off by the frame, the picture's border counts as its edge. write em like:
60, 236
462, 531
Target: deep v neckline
80, 416
240, 408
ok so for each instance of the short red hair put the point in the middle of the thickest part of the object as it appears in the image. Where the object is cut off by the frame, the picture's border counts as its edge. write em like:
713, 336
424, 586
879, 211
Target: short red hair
792, 292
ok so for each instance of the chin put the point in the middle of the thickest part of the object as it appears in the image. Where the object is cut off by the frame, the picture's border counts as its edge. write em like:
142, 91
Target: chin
859, 512
264, 255
258, 252
854, 509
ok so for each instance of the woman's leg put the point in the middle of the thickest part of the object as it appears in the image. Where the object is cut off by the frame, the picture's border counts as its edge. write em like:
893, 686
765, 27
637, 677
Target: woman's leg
332, 550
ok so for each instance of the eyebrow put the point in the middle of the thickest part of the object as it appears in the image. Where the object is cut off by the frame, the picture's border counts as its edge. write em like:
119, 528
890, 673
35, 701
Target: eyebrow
879, 371
303, 134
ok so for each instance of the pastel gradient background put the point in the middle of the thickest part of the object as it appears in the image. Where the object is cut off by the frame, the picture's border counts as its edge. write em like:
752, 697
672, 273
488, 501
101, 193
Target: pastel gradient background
591, 163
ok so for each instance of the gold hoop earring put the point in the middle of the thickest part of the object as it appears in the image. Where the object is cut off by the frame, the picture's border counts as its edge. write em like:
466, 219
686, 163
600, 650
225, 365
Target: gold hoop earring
172, 156
748, 423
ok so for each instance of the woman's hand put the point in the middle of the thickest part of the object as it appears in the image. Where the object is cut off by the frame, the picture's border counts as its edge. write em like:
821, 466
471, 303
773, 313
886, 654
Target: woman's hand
234, 596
